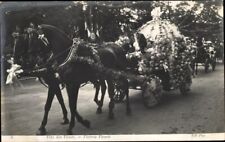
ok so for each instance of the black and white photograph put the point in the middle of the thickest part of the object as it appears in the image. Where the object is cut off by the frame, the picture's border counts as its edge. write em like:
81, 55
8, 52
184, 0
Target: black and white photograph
112, 70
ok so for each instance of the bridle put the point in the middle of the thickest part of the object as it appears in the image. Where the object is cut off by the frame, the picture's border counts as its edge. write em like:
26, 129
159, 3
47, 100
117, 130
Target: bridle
50, 59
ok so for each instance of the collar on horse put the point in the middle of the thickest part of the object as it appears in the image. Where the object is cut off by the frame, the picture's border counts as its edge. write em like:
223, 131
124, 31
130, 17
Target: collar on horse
72, 56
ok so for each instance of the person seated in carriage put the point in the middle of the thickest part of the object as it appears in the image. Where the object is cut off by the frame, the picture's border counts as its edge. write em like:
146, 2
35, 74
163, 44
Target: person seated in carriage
144, 51
202, 54
140, 43
211, 50
137, 48
132, 49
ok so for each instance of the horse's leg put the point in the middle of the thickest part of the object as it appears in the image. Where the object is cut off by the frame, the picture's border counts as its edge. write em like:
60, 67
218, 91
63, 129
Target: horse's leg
84, 122
126, 87
80, 119
196, 68
111, 94
97, 87
47, 108
103, 89
72, 92
61, 102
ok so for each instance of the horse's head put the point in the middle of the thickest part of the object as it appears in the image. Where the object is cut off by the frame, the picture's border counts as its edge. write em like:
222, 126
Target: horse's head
55, 40
29, 49
39, 48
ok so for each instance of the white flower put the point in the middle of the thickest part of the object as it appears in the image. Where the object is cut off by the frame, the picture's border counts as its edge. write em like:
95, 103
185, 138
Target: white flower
156, 13
13, 71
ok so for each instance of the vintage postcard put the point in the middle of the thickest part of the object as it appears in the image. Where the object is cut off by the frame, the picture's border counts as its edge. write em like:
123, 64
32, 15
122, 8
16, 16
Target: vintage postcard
112, 71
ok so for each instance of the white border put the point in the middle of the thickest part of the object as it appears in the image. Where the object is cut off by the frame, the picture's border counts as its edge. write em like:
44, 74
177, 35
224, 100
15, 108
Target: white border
134, 137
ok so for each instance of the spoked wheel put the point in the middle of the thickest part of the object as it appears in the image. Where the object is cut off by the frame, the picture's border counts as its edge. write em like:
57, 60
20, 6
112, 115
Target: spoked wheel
152, 93
119, 91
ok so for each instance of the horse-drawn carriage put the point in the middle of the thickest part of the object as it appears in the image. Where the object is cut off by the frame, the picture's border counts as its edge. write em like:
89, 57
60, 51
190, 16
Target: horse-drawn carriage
163, 65
166, 61
204, 56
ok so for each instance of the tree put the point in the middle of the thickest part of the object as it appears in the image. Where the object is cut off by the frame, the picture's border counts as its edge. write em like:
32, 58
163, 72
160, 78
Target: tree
194, 18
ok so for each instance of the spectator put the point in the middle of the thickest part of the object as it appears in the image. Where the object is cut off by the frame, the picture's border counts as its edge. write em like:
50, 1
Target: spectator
16, 46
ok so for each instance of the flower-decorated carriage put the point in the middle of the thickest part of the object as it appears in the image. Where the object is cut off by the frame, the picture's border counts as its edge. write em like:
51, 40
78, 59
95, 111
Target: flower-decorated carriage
164, 65
165, 61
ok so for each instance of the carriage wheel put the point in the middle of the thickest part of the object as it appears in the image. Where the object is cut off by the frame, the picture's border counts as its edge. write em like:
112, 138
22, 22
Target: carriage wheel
152, 93
119, 91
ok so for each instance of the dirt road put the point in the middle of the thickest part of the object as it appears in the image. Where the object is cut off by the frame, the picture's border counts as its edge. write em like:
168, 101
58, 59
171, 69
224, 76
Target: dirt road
202, 111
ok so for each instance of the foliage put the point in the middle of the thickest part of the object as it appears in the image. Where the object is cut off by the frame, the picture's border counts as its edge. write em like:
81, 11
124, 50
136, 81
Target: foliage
193, 18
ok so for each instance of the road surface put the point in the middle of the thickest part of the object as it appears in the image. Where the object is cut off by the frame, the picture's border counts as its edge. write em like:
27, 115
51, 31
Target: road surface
202, 111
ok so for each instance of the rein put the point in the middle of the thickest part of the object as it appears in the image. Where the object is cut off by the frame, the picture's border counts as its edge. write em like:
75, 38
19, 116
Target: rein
61, 53
55, 57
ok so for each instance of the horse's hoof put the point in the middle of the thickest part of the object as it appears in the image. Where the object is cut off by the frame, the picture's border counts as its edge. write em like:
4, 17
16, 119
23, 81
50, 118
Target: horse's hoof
99, 110
42, 131
86, 123
111, 116
97, 102
66, 121
69, 132
100, 104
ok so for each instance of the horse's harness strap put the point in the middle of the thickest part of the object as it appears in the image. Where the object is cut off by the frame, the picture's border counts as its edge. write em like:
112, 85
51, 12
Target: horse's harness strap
72, 52
43, 39
72, 56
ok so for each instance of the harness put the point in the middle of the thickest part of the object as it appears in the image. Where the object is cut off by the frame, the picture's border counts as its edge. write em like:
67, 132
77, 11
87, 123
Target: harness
72, 56
94, 62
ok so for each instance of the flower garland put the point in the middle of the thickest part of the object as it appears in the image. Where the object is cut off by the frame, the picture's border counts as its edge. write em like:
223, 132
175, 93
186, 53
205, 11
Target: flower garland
95, 63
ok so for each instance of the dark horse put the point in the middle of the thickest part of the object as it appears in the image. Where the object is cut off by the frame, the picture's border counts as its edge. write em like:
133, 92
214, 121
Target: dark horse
23, 56
37, 55
77, 72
